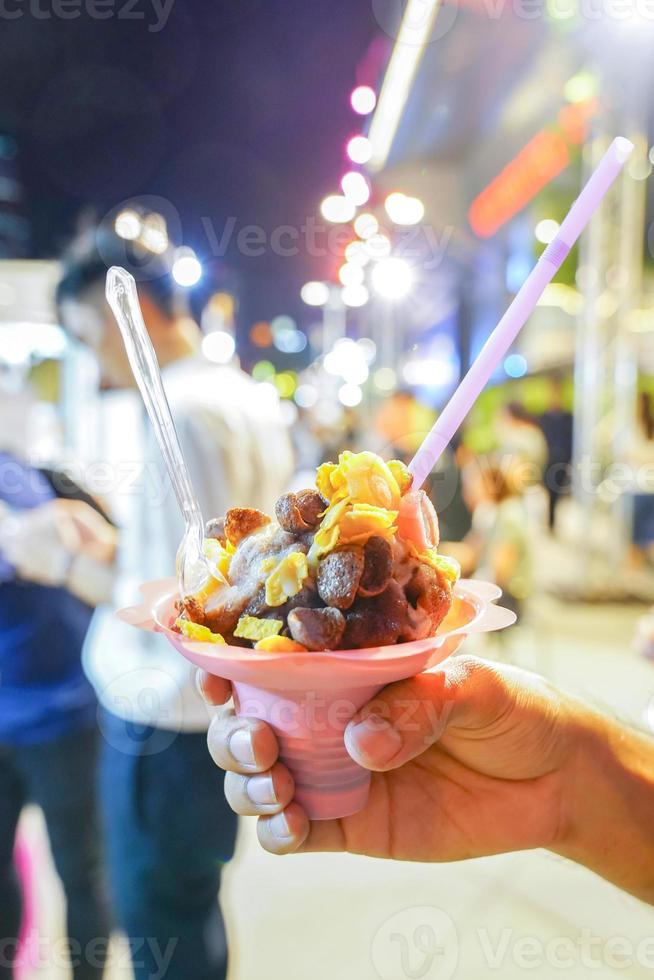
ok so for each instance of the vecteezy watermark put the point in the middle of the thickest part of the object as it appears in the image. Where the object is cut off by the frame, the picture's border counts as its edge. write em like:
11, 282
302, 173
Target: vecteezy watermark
414, 23
584, 950
419, 943
423, 245
99, 478
42, 953
141, 710
422, 943
154, 13
314, 238
319, 715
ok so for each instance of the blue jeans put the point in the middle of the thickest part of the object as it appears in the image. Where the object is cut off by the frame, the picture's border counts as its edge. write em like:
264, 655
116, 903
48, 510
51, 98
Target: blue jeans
168, 832
60, 777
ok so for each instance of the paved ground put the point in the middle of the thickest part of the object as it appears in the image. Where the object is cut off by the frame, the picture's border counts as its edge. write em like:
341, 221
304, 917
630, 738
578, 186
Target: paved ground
524, 915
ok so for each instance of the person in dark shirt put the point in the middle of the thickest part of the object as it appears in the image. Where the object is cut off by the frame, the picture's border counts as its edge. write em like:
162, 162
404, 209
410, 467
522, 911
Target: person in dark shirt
557, 424
56, 557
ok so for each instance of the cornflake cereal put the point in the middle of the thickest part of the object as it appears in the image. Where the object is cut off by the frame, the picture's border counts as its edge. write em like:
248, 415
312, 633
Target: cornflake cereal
352, 563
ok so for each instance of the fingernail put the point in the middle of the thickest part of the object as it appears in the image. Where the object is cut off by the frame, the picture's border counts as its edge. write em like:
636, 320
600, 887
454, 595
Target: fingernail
240, 745
373, 739
198, 684
279, 826
261, 790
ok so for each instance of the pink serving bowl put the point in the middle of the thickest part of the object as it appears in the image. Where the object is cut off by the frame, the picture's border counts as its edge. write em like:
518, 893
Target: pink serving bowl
309, 698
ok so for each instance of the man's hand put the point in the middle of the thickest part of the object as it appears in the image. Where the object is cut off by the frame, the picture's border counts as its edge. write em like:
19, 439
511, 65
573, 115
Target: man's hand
476, 768
492, 759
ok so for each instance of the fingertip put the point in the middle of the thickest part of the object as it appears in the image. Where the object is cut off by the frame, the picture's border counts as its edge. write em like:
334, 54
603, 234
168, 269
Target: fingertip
285, 832
373, 742
262, 794
243, 745
214, 690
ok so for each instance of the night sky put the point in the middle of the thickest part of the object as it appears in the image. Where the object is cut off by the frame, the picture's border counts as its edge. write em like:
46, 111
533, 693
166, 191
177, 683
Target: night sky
233, 109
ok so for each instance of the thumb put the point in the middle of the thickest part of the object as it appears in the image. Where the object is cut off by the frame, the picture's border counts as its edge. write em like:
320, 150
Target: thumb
407, 717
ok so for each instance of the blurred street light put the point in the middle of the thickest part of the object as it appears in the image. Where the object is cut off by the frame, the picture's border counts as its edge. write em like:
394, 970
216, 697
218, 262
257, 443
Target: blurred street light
368, 348
515, 366
351, 275
385, 379
127, 224
359, 149
404, 210
366, 225
315, 293
546, 230
355, 295
355, 187
187, 270
356, 254
378, 246
392, 278
306, 395
580, 87
350, 395
337, 209
363, 100
154, 233
218, 346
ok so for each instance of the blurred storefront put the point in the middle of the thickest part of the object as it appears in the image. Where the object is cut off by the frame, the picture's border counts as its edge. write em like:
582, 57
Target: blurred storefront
503, 117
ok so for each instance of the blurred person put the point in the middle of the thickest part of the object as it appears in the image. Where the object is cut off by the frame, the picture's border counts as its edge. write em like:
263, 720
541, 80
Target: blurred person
500, 536
640, 456
557, 426
493, 759
401, 422
168, 829
56, 563
520, 436
445, 488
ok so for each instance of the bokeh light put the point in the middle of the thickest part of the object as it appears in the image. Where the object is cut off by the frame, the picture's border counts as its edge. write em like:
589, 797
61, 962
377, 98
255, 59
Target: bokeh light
154, 234
359, 149
378, 246
218, 346
355, 187
128, 224
351, 275
515, 366
263, 370
355, 296
315, 293
285, 382
363, 100
306, 395
385, 379
261, 334
546, 230
350, 395
404, 210
366, 225
187, 269
356, 253
392, 278
337, 209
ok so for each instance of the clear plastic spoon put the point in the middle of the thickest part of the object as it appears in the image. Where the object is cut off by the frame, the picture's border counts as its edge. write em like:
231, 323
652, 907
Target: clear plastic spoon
122, 297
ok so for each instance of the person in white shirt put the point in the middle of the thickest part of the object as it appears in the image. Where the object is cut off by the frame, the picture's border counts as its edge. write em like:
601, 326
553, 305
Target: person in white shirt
168, 829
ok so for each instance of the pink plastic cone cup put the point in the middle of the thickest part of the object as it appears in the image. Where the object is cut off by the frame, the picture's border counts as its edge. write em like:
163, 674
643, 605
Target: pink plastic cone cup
308, 698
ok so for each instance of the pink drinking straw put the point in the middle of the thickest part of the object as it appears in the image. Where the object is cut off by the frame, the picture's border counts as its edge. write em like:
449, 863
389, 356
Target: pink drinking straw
515, 317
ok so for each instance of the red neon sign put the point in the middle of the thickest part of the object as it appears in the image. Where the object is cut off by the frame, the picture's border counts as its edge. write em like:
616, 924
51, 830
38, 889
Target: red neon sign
539, 162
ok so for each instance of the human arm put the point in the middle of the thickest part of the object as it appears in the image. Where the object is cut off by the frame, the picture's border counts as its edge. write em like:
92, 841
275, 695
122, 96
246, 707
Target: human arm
494, 759
61, 543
